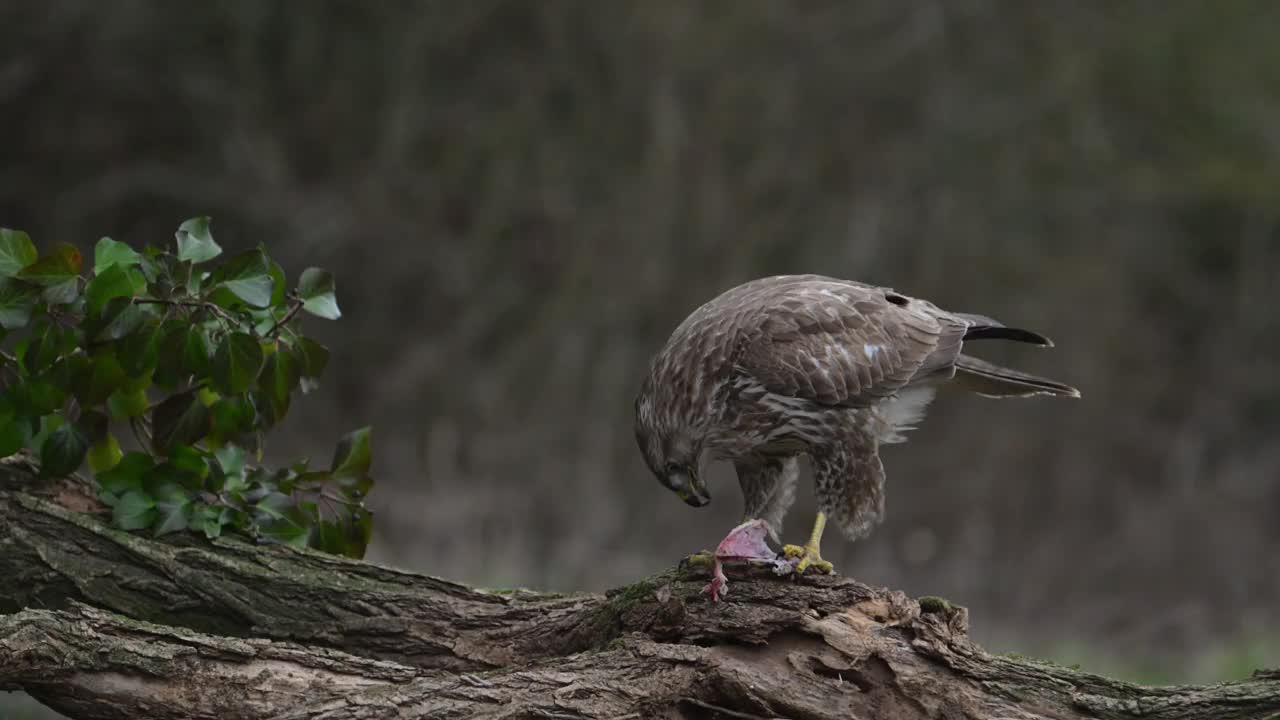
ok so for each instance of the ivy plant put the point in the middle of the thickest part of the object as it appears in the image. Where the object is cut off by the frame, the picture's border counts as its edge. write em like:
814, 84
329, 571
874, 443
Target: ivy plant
190, 357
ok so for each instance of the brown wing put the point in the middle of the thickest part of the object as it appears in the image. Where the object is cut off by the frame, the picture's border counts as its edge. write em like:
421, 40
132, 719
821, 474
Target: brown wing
846, 344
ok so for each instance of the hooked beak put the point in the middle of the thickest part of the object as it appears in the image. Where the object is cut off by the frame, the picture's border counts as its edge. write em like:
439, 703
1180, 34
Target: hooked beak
694, 493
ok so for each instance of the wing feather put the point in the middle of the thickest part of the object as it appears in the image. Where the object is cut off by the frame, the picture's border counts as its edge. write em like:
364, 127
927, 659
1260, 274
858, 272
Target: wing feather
844, 344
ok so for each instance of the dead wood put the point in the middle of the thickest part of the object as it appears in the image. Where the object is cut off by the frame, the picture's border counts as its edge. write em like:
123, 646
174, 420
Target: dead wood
100, 623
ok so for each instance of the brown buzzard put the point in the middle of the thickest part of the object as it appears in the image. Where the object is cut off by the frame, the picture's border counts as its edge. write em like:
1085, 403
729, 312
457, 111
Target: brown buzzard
795, 364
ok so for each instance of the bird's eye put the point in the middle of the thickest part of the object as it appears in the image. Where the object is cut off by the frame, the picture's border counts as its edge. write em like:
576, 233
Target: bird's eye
672, 469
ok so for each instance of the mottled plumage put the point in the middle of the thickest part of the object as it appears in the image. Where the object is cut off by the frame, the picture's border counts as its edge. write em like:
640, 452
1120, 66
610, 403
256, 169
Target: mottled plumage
788, 365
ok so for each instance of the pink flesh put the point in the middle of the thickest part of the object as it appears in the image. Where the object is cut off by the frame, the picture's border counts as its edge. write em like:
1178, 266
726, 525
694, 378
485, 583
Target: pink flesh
744, 542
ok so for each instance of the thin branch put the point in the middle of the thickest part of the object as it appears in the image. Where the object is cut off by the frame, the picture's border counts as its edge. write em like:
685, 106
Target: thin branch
196, 304
287, 317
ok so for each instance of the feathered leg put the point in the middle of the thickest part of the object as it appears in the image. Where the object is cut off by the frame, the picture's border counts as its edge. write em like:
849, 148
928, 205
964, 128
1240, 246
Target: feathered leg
768, 490
849, 483
849, 486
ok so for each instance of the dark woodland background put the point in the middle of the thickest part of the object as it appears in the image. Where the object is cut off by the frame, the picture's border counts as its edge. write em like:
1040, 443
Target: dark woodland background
522, 199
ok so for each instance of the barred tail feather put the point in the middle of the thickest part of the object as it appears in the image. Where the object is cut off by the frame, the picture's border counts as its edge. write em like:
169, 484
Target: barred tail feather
987, 379
982, 327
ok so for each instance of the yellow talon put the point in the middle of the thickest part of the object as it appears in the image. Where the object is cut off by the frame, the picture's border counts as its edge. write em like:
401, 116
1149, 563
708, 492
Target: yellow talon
700, 559
808, 556
809, 553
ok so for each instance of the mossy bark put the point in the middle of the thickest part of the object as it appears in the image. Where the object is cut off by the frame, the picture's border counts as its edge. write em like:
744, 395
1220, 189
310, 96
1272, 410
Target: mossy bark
107, 624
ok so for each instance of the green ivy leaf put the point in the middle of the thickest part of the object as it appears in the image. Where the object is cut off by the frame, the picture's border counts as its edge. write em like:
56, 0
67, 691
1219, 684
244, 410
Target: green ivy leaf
195, 351
16, 252
153, 267
13, 435
230, 459
108, 252
208, 397
104, 378
125, 403
277, 285
45, 426
265, 320
189, 460
134, 511
362, 527
312, 357
17, 299
170, 368
290, 528
310, 511
229, 476
236, 363
347, 535
352, 457
38, 397
355, 487
195, 241
166, 473
272, 504
105, 454
284, 479
232, 417
43, 349
173, 507
110, 347
248, 277
225, 299
63, 451
63, 293
127, 474
234, 485
210, 520
57, 267
279, 378
120, 318
329, 538
266, 412
316, 288
179, 419
111, 283
139, 280
195, 281
139, 352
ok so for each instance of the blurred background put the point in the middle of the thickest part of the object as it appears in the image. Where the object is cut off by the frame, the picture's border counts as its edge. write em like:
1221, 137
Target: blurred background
522, 199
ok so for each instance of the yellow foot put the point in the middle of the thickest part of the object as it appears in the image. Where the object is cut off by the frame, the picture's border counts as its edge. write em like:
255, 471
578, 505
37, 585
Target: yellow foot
701, 559
808, 555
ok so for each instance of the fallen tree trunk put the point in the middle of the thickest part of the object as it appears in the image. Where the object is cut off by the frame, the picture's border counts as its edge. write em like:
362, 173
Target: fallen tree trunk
106, 624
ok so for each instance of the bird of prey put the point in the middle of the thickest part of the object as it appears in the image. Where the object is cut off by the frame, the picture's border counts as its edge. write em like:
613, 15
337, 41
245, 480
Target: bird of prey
807, 364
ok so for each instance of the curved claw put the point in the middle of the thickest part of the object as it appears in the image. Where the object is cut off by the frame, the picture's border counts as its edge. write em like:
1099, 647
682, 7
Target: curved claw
809, 556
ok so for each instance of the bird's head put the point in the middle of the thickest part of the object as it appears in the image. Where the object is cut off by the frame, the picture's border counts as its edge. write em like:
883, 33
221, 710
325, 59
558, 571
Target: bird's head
672, 451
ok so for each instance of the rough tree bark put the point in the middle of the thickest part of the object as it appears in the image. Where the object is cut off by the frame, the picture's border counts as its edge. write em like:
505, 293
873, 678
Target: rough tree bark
99, 623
